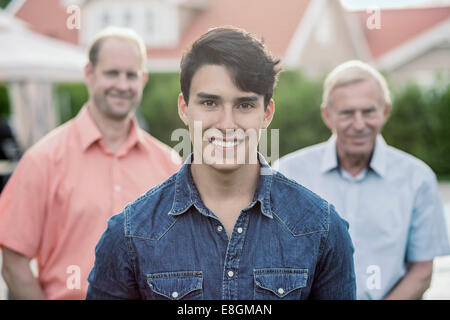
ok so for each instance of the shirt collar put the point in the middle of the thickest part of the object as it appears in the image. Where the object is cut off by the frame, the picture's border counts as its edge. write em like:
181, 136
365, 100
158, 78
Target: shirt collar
329, 160
377, 163
187, 195
89, 132
87, 129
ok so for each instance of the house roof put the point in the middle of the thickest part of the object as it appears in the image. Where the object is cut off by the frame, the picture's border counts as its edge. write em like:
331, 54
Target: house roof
47, 17
277, 24
269, 20
398, 26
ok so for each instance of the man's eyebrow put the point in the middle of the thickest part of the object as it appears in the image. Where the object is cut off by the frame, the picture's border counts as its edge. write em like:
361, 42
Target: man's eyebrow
204, 95
247, 98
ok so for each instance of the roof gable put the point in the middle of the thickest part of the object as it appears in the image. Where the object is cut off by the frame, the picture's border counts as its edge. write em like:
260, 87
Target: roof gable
399, 26
273, 22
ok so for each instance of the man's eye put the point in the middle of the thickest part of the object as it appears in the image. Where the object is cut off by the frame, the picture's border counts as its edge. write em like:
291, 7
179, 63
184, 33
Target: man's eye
132, 75
346, 113
111, 73
369, 111
245, 106
209, 103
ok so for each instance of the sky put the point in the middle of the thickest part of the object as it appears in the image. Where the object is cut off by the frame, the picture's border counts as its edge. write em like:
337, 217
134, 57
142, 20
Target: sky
362, 4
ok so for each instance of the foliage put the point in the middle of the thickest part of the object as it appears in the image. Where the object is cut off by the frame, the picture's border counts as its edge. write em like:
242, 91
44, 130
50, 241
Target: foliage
418, 124
4, 101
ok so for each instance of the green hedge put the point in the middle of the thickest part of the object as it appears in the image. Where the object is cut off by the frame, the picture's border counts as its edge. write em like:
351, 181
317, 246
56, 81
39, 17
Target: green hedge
418, 124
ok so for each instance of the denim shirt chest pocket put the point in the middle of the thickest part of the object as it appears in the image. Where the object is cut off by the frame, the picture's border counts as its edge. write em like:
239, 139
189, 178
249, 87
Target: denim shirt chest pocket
186, 285
279, 283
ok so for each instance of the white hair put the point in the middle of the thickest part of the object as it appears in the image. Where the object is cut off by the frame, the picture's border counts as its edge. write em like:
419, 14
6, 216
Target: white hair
350, 72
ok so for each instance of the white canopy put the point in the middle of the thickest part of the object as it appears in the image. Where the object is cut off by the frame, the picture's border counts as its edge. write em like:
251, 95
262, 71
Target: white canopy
30, 63
28, 55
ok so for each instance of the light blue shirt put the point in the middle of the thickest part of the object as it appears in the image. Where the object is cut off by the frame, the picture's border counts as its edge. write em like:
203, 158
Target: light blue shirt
393, 209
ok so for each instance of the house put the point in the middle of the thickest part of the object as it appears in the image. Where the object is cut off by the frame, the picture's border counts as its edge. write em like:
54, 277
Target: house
411, 44
313, 36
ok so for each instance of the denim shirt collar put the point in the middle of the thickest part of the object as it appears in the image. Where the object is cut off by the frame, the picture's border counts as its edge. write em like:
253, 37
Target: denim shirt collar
187, 195
377, 163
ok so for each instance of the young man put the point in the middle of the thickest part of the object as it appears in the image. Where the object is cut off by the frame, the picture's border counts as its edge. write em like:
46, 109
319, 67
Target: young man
389, 197
225, 226
57, 203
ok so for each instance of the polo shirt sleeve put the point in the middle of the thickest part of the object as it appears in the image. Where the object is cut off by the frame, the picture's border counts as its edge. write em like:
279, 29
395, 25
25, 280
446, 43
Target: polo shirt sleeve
427, 237
23, 204
112, 277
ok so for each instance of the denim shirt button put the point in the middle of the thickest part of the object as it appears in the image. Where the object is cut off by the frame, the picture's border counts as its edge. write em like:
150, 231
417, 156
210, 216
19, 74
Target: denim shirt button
174, 294
280, 290
230, 274
219, 228
239, 230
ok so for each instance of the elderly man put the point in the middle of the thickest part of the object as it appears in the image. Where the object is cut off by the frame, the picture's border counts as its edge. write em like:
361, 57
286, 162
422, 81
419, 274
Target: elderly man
389, 198
57, 203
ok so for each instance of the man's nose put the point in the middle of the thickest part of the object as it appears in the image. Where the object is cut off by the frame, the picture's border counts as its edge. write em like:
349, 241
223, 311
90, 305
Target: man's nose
358, 121
227, 119
122, 82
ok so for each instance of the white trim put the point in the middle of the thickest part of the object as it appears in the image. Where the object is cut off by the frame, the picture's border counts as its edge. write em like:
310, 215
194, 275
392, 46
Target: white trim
357, 36
414, 47
14, 6
302, 33
163, 64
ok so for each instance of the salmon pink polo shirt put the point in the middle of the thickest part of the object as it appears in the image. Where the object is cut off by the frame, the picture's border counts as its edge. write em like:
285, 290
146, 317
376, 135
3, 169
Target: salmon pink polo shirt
56, 205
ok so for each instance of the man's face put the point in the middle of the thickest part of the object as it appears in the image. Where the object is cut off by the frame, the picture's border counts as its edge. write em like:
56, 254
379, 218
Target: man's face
230, 119
356, 115
117, 80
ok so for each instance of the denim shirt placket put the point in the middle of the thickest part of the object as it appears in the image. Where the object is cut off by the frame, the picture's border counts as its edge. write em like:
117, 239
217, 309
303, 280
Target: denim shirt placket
236, 242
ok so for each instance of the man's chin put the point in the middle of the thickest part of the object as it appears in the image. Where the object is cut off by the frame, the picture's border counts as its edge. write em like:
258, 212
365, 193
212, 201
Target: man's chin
120, 113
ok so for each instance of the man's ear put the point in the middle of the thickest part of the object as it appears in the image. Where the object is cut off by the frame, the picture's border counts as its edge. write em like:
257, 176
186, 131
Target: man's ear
268, 113
326, 117
386, 112
144, 79
182, 109
88, 72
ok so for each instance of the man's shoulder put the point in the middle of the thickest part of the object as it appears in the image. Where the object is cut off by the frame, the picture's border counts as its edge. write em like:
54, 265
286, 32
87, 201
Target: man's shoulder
311, 155
52, 145
148, 216
409, 165
300, 209
152, 144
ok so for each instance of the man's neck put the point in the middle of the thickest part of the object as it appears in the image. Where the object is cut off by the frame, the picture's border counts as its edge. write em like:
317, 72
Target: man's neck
353, 164
114, 132
217, 185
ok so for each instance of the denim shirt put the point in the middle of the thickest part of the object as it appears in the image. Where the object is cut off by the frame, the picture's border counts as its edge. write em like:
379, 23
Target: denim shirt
288, 243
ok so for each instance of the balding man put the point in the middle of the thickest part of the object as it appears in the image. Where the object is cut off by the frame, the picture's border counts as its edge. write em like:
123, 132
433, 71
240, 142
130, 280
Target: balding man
57, 203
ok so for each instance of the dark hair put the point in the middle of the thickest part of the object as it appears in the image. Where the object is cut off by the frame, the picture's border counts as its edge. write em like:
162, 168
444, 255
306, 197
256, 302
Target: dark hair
251, 66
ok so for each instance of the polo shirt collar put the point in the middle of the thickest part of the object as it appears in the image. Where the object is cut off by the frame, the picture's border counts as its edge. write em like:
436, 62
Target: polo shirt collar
187, 195
89, 132
377, 163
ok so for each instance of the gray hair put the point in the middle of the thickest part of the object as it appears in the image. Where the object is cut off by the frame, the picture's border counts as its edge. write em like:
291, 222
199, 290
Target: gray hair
350, 72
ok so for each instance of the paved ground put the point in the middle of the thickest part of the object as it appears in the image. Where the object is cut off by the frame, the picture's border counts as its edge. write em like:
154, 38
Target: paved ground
440, 283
